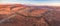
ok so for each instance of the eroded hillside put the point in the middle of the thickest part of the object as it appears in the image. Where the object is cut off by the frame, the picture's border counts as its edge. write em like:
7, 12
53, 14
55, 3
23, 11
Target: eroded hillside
22, 15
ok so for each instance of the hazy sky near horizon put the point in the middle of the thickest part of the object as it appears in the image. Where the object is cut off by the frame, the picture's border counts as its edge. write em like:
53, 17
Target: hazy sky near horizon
34, 2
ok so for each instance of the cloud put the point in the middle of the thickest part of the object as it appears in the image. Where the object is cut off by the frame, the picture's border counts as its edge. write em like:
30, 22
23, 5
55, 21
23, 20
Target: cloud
34, 2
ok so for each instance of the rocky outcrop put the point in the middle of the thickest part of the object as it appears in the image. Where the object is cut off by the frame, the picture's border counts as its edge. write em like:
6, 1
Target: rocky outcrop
20, 15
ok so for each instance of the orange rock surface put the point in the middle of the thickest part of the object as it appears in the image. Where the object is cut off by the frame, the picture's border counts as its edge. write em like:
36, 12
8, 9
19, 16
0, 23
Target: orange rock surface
29, 15
6, 9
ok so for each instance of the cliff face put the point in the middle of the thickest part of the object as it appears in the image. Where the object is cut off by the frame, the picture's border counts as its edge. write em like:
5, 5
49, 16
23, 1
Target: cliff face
21, 15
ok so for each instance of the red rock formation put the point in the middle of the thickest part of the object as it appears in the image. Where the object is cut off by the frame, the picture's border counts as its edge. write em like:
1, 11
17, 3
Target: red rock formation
5, 9
21, 15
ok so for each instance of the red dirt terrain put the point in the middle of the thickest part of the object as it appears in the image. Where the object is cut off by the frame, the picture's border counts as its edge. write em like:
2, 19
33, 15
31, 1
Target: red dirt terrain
23, 15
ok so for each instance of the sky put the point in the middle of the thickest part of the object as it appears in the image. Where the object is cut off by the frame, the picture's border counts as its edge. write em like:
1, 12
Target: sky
34, 2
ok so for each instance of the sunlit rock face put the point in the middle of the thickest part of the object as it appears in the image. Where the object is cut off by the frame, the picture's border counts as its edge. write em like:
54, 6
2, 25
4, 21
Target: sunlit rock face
23, 15
7, 9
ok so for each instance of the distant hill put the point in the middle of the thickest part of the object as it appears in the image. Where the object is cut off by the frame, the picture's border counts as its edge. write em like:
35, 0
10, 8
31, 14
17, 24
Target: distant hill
6, 9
